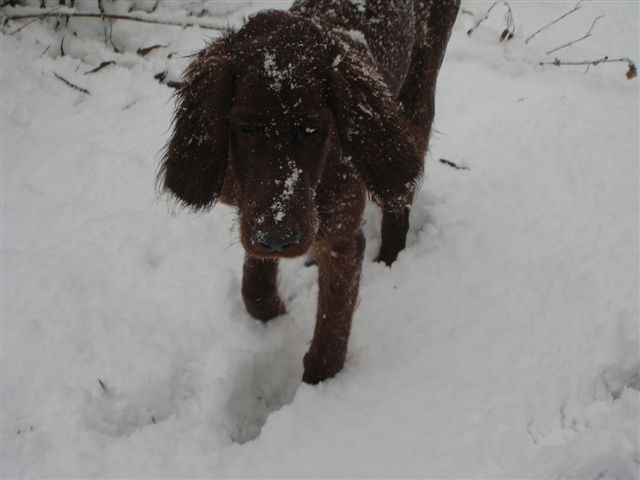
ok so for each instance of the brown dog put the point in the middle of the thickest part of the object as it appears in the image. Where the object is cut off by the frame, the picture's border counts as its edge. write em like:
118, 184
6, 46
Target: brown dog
293, 119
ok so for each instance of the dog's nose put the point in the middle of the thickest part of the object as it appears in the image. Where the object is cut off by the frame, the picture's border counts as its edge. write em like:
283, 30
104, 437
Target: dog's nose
277, 241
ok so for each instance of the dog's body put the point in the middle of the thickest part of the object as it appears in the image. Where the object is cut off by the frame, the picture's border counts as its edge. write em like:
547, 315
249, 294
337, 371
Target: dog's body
293, 119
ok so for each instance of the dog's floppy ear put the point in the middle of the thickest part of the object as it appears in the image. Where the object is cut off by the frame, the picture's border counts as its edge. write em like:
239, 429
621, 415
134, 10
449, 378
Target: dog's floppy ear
195, 158
373, 132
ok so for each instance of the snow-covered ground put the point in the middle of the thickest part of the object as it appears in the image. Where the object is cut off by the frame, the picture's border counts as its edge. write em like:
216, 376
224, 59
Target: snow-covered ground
503, 342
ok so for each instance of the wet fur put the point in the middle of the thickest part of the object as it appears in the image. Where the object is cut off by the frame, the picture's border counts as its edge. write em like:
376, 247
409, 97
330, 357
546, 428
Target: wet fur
348, 96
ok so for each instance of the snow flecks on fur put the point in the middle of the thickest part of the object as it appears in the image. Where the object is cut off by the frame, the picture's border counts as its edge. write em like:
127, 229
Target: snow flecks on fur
360, 5
355, 35
277, 75
272, 71
280, 204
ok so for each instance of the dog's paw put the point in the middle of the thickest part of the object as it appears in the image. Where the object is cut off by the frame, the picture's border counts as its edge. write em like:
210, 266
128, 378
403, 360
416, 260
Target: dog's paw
265, 309
387, 256
317, 368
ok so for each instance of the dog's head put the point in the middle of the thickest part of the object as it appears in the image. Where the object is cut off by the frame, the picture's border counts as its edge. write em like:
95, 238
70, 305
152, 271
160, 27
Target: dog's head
270, 102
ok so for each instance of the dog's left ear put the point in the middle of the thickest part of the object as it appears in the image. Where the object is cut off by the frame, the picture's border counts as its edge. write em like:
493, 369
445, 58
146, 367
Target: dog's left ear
373, 131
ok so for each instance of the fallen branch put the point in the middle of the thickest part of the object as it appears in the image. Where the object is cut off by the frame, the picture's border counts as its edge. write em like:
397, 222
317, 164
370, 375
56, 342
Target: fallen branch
577, 7
39, 17
67, 82
586, 35
632, 71
106, 16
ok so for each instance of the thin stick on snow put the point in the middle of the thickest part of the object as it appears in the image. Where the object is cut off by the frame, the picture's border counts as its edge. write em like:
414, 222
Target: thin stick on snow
577, 7
449, 163
586, 35
632, 72
509, 32
100, 67
143, 52
67, 82
107, 16
39, 17
108, 39
482, 18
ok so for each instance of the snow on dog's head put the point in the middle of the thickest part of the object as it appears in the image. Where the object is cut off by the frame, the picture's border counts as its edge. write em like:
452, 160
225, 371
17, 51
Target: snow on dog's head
271, 106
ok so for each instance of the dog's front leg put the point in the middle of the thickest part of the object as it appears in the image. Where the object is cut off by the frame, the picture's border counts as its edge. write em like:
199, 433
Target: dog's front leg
340, 264
260, 288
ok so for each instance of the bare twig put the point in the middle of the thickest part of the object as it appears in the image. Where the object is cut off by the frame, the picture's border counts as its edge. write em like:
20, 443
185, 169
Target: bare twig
586, 35
100, 67
143, 52
482, 18
509, 32
577, 7
632, 71
67, 82
161, 77
449, 163
46, 50
129, 18
62, 47
108, 36
103, 385
39, 17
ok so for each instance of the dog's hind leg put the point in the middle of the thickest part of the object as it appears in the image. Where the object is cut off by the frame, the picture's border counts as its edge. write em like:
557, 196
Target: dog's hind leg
434, 20
260, 288
395, 225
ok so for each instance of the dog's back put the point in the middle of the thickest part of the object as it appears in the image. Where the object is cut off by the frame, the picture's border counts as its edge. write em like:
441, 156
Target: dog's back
385, 26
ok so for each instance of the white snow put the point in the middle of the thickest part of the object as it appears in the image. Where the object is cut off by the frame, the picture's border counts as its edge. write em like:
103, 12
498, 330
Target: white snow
360, 5
503, 343
272, 71
356, 35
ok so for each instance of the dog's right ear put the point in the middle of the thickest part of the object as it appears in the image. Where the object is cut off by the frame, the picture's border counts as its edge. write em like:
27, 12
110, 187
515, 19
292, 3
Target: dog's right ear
195, 158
